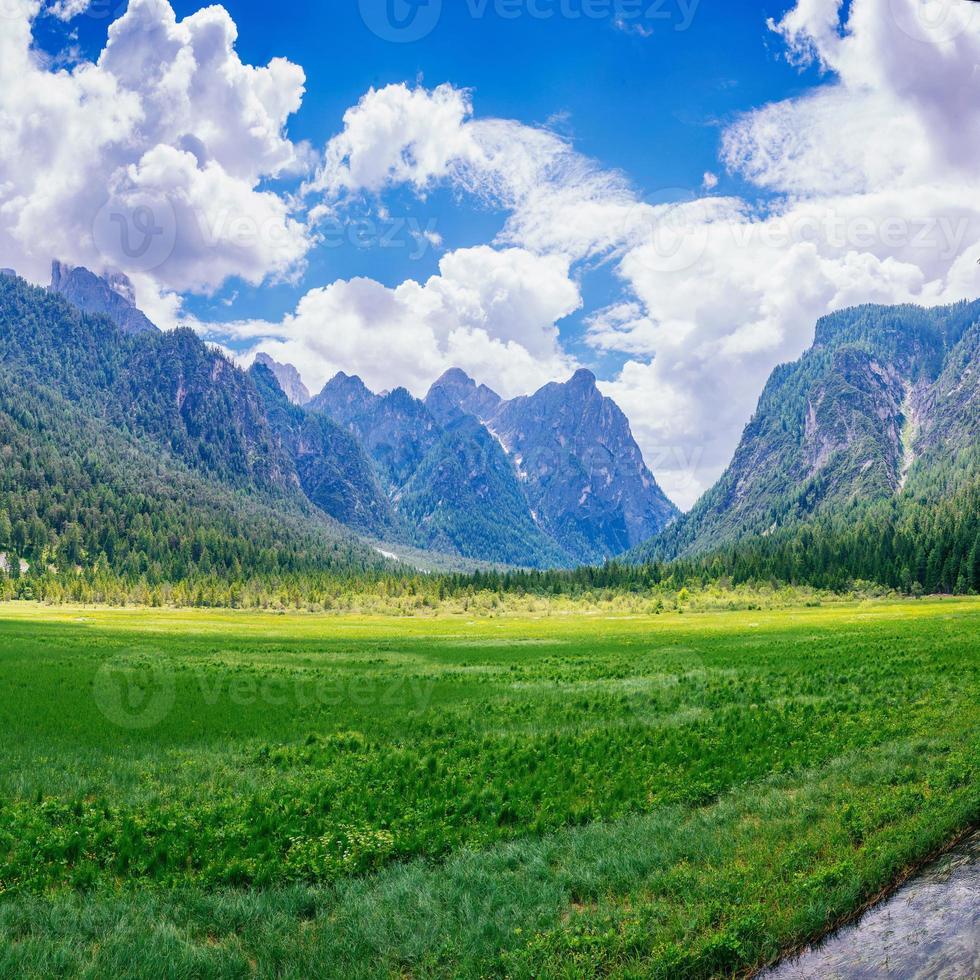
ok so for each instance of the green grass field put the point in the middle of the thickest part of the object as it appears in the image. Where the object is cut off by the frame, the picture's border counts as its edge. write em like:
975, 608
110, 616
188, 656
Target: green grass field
230, 794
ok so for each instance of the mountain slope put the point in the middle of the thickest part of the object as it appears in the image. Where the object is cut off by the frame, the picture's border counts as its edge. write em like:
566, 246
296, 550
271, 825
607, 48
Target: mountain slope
884, 396
456, 393
332, 470
581, 469
450, 484
75, 492
463, 498
111, 296
288, 379
153, 440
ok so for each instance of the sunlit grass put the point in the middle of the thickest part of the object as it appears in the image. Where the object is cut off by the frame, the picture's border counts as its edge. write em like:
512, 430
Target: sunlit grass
675, 795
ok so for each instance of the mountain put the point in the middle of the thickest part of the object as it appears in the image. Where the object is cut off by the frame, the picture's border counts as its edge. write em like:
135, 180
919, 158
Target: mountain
397, 432
287, 377
456, 393
581, 469
553, 478
463, 499
450, 485
344, 398
112, 296
390, 471
883, 407
149, 453
331, 467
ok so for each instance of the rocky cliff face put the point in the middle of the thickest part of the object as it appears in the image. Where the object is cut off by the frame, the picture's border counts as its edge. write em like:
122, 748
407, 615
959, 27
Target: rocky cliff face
331, 467
883, 394
344, 398
558, 470
397, 432
449, 482
581, 469
456, 393
111, 296
287, 377
465, 499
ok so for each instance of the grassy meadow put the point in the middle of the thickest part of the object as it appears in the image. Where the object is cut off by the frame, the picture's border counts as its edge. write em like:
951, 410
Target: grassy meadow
237, 794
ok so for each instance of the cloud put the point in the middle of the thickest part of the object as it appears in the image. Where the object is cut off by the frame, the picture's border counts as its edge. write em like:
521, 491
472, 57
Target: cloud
866, 193
558, 200
489, 311
67, 9
153, 159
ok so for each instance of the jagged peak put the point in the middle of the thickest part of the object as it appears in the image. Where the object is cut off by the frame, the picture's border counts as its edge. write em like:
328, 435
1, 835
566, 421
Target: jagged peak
117, 281
455, 376
110, 295
583, 377
402, 397
342, 380
287, 377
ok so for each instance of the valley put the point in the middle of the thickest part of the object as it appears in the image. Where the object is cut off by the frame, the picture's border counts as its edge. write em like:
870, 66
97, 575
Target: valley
489, 490
676, 794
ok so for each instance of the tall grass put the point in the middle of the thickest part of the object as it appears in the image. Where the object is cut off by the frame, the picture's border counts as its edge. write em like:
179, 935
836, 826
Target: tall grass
665, 796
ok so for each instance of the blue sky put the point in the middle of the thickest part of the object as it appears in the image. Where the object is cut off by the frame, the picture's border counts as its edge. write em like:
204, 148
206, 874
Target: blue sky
650, 105
669, 193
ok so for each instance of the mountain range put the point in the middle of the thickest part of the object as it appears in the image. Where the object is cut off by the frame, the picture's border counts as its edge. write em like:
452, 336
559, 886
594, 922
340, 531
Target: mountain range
554, 479
154, 454
551, 478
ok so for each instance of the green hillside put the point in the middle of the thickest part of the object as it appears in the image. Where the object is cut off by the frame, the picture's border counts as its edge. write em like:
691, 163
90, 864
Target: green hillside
860, 461
145, 456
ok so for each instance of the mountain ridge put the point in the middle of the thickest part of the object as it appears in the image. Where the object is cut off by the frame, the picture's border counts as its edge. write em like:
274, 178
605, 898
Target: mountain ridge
605, 501
882, 397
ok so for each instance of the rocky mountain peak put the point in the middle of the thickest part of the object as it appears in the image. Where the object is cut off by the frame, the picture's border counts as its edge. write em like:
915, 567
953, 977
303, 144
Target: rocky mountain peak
111, 295
582, 378
456, 393
288, 377
581, 468
402, 400
455, 377
343, 398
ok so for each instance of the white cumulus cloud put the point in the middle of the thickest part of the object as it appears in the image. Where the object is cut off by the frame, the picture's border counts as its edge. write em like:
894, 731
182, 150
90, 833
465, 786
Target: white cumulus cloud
489, 311
150, 159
